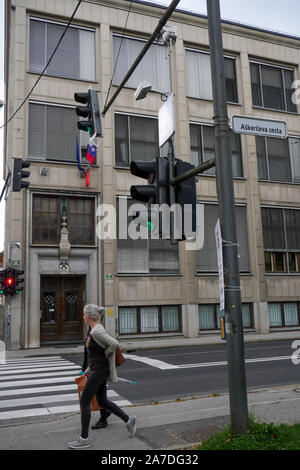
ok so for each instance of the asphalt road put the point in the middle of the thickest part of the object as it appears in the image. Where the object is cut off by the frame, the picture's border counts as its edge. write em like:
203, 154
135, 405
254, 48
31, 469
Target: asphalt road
182, 372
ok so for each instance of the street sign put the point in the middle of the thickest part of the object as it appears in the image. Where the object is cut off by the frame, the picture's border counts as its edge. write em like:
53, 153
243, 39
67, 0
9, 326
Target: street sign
166, 125
220, 264
261, 127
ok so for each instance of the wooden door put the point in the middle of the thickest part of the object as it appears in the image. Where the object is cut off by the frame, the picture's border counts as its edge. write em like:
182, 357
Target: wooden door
61, 308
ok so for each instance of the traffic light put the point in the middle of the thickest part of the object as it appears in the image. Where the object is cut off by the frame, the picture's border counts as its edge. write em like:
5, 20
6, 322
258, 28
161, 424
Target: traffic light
157, 174
18, 287
2, 281
9, 283
19, 174
90, 111
147, 171
185, 196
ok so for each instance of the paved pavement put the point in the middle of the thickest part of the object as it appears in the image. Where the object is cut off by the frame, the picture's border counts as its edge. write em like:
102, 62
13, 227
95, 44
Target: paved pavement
166, 425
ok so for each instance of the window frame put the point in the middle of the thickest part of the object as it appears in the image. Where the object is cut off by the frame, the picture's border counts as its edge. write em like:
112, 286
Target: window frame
217, 315
73, 26
79, 134
282, 68
226, 56
282, 315
143, 40
59, 198
201, 149
160, 320
147, 249
284, 251
268, 163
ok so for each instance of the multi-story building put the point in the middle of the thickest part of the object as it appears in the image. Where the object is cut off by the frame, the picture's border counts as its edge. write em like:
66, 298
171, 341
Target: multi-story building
149, 288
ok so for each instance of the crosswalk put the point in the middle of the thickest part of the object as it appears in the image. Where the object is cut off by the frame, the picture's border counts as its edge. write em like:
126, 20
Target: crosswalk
41, 386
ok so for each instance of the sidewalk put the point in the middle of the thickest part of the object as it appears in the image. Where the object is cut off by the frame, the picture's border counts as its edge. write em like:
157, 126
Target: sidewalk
166, 425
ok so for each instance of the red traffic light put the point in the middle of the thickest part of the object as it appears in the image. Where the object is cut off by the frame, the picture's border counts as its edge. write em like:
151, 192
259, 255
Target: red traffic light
9, 281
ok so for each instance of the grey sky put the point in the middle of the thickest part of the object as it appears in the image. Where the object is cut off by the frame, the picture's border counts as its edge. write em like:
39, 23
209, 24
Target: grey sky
276, 15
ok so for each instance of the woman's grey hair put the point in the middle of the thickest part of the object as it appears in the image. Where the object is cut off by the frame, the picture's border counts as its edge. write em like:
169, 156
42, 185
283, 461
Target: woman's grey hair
95, 312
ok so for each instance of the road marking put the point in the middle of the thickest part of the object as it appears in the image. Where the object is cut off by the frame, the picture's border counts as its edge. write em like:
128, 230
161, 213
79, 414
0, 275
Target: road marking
151, 362
41, 382
165, 366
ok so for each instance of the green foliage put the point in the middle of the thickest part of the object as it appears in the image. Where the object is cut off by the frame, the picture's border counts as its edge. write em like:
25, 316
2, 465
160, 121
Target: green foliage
260, 436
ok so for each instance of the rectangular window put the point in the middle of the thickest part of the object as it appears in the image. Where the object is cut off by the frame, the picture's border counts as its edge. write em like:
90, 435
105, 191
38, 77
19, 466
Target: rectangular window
52, 133
50, 211
75, 56
278, 159
144, 256
284, 314
136, 138
203, 148
198, 72
153, 319
281, 232
206, 258
272, 87
154, 67
209, 316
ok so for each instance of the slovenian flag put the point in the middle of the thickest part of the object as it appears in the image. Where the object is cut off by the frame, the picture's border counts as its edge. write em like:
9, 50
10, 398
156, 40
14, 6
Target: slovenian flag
91, 153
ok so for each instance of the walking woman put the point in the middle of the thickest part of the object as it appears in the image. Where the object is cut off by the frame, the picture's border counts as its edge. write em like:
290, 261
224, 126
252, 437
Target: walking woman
101, 367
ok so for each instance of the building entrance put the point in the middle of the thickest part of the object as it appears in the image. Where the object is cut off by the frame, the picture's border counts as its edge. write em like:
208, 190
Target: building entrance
61, 308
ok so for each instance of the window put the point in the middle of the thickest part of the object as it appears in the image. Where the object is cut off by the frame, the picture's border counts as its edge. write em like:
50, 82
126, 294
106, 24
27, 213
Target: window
206, 258
136, 138
278, 159
48, 213
75, 56
52, 133
154, 67
198, 72
272, 87
281, 232
203, 148
209, 316
143, 320
284, 314
144, 256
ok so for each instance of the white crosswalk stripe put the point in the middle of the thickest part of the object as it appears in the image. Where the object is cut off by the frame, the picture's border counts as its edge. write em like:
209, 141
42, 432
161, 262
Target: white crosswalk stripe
42, 386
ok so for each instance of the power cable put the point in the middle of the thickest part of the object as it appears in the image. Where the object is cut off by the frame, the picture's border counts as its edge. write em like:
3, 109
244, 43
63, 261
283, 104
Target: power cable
115, 66
42, 73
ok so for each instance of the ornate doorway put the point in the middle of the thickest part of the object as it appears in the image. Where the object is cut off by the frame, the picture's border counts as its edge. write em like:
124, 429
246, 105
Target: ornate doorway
61, 308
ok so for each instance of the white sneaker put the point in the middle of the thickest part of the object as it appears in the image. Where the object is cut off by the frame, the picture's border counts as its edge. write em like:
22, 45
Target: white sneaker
131, 426
80, 443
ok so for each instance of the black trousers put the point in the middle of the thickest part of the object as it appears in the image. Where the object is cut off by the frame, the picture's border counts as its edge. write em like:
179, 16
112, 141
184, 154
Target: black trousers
96, 385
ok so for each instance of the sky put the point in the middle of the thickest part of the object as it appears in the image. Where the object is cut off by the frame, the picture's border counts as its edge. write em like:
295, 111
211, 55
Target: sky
276, 15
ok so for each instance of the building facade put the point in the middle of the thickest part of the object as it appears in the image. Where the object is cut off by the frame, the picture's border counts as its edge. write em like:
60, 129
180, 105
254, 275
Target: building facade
149, 288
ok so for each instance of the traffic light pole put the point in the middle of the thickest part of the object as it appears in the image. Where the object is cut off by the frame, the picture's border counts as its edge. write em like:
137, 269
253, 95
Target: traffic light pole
225, 189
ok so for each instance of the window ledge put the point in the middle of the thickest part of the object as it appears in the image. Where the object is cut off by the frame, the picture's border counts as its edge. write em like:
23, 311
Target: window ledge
32, 72
279, 182
148, 275
58, 162
282, 274
294, 113
215, 274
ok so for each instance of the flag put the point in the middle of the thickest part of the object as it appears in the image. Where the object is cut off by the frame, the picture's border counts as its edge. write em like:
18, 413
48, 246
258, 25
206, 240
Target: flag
91, 152
78, 156
87, 177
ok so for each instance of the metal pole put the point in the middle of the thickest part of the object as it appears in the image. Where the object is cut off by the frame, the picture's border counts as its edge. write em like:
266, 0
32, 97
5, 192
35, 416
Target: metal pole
156, 32
194, 172
225, 188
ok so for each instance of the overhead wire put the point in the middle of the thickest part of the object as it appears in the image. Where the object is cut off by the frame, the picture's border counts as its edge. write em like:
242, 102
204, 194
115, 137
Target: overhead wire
115, 66
42, 73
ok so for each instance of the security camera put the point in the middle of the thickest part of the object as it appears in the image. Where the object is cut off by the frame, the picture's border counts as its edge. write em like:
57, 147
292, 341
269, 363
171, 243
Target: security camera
142, 90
